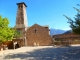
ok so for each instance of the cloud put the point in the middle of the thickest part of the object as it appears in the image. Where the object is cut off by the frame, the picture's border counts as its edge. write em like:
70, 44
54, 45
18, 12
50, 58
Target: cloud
67, 29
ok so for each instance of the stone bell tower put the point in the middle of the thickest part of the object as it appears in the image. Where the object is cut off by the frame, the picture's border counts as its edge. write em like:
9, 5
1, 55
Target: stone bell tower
21, 18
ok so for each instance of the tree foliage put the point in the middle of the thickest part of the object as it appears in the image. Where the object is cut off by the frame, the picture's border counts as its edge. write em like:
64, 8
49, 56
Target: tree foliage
6, 33
75, 24
17, 34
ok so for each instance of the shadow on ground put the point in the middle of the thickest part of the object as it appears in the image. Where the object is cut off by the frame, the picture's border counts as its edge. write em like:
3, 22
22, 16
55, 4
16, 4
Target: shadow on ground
52, 53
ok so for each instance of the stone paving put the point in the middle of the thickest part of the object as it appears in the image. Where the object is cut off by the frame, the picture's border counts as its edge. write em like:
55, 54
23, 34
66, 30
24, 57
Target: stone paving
42, 53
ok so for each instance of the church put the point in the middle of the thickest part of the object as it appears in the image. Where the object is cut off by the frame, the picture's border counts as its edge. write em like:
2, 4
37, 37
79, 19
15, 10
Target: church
35, 35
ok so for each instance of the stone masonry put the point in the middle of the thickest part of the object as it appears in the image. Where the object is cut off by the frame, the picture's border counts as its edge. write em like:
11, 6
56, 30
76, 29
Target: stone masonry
38, 35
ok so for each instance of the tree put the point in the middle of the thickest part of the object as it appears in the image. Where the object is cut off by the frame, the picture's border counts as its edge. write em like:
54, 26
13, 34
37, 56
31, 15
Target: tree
6, 33
17, 34
75, 24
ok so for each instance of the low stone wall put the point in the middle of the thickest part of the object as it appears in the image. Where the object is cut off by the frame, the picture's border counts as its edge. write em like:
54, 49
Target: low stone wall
10, 44
75, 42
61, 43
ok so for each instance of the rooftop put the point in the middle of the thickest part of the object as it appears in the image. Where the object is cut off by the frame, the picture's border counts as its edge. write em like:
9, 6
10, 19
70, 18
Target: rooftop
22, 3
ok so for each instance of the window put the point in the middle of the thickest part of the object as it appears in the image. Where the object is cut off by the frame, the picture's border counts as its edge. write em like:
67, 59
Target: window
21, 6
35, 30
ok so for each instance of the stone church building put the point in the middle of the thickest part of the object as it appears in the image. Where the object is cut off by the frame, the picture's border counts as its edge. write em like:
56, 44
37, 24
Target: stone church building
33, 35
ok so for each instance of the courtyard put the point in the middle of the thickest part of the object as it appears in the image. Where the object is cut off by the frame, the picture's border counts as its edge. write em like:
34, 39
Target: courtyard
42, 53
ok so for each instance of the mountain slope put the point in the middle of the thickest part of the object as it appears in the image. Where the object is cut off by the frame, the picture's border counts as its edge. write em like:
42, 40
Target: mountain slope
56, 31
67, 32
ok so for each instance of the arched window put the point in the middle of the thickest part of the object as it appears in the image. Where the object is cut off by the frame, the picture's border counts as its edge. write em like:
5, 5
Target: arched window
21, 6
35, 30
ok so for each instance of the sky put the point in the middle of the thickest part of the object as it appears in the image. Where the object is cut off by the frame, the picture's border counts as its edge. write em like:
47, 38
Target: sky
42, 12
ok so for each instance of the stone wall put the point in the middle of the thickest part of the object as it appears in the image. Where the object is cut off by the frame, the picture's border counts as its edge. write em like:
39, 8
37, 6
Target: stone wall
21, 42
66, 37
38, 35
10, 44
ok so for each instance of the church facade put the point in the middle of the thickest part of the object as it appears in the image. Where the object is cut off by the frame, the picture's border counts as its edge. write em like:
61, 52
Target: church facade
38, 35
35, 35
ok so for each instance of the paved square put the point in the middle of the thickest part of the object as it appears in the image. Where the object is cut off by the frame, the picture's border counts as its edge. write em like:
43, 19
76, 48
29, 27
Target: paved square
42, 53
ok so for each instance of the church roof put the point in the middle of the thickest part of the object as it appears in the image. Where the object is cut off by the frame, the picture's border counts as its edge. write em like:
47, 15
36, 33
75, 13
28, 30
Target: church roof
46, 26
42, 26
22, 3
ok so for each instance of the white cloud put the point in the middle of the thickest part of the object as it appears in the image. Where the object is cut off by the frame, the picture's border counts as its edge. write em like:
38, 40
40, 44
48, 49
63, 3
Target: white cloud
67, 29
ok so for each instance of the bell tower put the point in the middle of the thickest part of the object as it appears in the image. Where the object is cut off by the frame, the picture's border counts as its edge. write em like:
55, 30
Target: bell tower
21, 18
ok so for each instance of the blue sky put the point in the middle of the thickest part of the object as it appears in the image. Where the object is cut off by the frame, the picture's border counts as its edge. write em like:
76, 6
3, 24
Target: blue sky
42, 12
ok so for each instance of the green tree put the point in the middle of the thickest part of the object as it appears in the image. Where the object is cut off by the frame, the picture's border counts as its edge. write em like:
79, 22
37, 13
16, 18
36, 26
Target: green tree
75, 24
6, 33
17, 33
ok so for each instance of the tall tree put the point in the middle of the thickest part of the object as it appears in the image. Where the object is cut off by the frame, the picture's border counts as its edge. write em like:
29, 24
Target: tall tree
6, 33
75, 24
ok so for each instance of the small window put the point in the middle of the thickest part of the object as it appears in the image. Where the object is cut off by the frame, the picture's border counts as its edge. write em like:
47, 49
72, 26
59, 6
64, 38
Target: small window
35, 30
21, 6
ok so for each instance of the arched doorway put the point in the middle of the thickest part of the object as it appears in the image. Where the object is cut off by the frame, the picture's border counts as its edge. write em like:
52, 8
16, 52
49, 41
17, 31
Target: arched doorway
16, 46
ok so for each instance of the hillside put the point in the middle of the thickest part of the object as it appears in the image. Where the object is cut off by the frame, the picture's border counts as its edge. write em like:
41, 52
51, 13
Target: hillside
56, 31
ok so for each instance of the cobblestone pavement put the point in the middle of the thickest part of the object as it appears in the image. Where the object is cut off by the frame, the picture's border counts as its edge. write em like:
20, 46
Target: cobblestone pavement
42, 53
